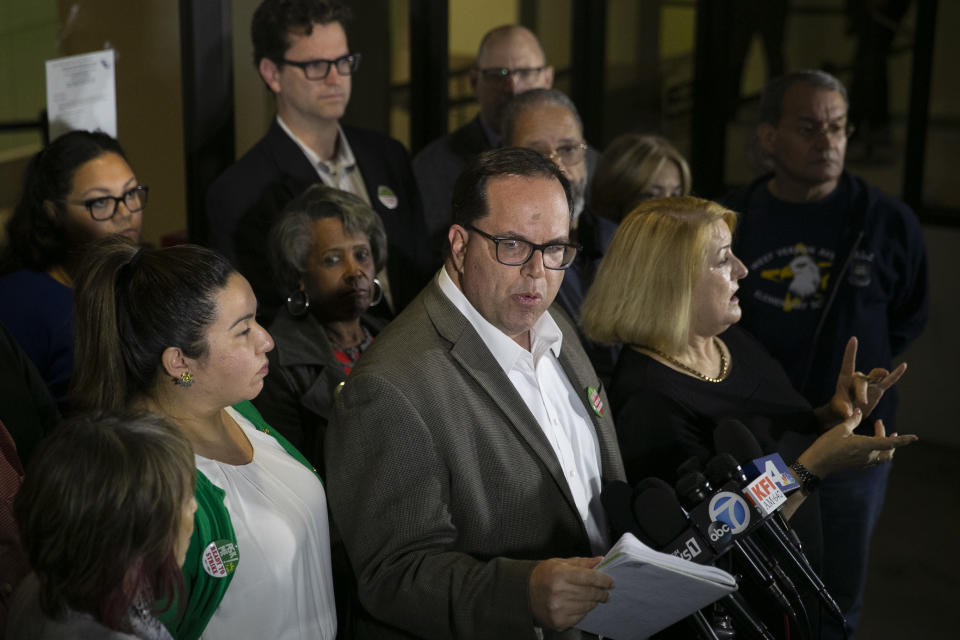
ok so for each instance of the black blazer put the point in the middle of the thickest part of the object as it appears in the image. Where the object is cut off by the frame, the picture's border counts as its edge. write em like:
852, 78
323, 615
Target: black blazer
244, 202
437, 168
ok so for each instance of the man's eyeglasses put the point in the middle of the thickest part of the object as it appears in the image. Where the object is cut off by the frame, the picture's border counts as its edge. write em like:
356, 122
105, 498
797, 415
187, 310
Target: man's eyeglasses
319, 69
514, 252
502, 74
813, 130
104, 208
568, 154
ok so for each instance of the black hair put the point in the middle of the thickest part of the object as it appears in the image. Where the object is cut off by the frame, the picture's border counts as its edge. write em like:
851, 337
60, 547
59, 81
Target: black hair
274, 19
36, 238
771, 101
99, 514
133, 304
470, 189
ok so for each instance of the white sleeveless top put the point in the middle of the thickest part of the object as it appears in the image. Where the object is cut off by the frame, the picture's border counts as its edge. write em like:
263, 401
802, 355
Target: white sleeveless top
282, 588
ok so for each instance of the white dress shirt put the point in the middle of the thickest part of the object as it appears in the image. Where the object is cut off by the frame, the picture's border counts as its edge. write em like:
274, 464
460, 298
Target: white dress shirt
283, 586
555, 404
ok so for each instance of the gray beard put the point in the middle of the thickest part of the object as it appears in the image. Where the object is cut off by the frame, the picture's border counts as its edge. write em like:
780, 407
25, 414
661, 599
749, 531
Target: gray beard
578, 206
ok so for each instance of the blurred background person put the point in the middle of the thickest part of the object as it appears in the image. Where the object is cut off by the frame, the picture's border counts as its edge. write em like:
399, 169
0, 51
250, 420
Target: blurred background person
633, 168
547, 121
509, 61
173, 331
76, 190
325, 249
105, 514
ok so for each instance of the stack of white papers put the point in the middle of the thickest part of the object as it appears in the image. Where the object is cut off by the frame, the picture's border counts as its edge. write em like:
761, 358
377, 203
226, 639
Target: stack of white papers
652, 590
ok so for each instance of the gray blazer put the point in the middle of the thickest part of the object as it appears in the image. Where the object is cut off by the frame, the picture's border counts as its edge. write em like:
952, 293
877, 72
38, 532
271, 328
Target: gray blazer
443, 485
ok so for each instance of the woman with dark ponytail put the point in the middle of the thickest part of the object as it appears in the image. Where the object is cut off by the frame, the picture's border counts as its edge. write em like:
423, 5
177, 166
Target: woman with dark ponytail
76, 190
173, 331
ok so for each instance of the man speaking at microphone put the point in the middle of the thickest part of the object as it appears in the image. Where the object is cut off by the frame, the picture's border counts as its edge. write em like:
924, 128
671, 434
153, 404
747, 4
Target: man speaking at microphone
469, 445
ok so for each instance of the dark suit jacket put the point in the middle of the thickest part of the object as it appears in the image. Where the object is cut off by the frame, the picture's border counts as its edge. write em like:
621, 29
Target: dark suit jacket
297, 395
244, 202
437, 167
442, 483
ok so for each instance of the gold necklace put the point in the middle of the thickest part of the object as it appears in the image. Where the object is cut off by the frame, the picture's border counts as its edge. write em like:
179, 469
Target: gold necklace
724, 369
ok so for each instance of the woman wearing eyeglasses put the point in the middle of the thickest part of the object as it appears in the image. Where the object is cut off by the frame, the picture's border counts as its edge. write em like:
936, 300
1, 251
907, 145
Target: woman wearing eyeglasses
76, 190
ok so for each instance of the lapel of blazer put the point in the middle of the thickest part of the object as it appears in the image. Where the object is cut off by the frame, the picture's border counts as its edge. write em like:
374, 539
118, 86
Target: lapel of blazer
371, 166
288, 156
469, 350
582, 376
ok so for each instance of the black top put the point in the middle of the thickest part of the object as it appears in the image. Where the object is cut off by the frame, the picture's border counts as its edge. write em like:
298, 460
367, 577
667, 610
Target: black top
298, 393
664, 417
859, 247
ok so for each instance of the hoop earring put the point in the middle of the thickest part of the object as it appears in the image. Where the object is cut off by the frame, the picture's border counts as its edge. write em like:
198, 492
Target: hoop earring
185, 380
297, 303
378, 292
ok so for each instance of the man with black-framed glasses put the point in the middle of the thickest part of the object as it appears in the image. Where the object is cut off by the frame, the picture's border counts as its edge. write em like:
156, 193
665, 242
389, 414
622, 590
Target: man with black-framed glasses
303, 57
469, 446
509, 61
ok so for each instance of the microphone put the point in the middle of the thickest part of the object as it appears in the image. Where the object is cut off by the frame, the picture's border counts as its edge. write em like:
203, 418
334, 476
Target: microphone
732, 436
666, 527
709, 507
617, 500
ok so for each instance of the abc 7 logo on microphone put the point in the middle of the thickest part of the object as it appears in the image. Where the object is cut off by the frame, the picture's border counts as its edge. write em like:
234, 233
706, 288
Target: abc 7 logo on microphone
729, 515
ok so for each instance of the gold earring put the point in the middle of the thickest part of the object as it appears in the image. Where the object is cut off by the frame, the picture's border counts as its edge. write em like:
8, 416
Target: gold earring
185, 379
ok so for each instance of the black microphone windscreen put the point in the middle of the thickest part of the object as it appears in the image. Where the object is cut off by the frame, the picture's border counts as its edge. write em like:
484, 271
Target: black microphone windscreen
658, 512
693, 488
722, 468
617, 500
690, 464
732, 436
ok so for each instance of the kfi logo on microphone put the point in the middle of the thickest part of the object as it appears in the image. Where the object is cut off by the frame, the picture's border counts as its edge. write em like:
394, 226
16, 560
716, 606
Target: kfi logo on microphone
730, 509
765, 494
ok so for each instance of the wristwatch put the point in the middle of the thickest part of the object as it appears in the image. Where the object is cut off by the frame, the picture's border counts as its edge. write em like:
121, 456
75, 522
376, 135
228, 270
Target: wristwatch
808, 481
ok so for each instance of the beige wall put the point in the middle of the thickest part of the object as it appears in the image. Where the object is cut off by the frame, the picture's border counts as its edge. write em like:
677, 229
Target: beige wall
254, 104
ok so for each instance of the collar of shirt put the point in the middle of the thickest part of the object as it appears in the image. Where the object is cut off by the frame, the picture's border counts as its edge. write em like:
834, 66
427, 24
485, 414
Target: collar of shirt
343, 159
545, 335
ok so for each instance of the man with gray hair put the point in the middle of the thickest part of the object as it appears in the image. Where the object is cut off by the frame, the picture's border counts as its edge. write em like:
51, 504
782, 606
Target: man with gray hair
863, 254
547, 121
509, 61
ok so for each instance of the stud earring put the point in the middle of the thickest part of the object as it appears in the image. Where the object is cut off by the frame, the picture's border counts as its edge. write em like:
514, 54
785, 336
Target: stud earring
185, 379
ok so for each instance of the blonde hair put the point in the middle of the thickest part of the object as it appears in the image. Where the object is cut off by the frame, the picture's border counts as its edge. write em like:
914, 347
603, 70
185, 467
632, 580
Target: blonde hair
624, 170
643, 289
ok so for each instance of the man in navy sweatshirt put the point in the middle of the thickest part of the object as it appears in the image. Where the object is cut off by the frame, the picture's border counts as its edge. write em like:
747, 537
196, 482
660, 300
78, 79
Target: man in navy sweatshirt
829, 257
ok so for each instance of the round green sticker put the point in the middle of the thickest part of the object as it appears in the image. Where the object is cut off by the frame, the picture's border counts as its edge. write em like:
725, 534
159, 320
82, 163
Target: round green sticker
220, 558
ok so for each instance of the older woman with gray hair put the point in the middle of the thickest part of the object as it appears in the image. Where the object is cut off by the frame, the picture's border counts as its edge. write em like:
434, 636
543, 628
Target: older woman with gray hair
324, 249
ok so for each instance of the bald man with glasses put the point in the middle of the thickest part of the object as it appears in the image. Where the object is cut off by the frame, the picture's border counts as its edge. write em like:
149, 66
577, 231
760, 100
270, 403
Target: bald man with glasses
509, 61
